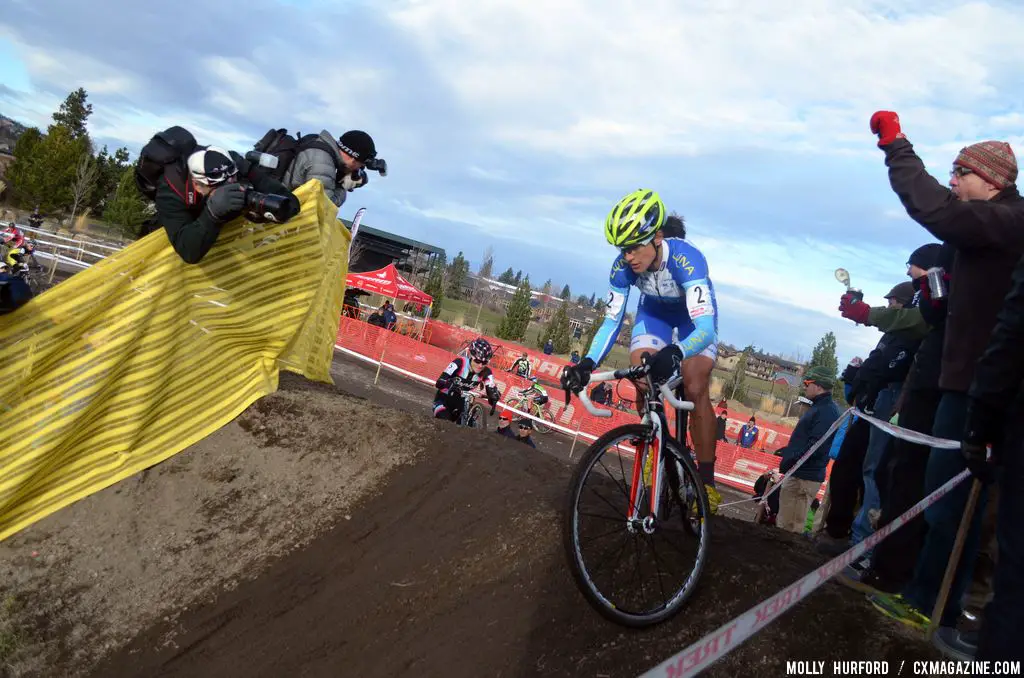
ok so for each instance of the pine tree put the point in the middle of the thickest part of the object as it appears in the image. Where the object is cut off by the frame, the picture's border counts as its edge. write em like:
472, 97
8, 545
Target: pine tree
582, 300
517, 318
518, 279
23, 174
566, 293
557, 330
435, 288
457, 273
110, 170
74, 113
736, 387
547, 287
53, 168
127, 208
824, 355
593, 300
508, 277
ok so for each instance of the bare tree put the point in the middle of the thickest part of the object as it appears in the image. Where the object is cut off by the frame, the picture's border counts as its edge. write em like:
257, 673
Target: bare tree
85, 180
356, 253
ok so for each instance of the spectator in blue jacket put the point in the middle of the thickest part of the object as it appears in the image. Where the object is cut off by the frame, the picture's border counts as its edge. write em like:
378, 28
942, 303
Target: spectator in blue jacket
748, 434
799, 490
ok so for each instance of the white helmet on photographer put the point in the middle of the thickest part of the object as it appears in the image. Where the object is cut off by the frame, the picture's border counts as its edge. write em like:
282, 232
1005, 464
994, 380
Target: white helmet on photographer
211, 166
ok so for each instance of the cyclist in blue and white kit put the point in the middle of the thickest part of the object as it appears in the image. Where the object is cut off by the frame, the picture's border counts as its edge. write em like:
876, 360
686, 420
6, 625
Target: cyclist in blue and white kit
676, 294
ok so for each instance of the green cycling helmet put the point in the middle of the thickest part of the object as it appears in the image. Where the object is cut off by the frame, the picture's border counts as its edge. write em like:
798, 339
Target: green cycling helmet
635, 219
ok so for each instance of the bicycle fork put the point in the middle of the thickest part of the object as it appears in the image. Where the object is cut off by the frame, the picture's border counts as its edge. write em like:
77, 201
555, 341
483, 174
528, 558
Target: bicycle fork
652, 451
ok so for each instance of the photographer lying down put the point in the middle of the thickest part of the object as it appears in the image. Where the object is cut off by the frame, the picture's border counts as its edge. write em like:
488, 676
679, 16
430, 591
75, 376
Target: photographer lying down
198, 189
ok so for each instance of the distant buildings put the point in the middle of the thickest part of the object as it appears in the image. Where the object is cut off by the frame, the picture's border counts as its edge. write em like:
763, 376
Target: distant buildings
762, 365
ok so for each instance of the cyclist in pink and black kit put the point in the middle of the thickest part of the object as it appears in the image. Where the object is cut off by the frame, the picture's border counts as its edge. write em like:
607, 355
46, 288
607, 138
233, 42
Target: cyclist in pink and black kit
465, 372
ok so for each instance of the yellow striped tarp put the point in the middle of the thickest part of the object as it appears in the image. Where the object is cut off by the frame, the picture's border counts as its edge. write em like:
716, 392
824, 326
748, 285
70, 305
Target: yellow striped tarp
131, 361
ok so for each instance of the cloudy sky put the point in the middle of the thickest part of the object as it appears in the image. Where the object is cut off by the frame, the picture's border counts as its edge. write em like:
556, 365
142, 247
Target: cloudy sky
518, 125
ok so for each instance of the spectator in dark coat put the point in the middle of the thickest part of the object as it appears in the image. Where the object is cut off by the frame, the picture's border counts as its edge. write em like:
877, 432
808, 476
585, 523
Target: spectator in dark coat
799, 490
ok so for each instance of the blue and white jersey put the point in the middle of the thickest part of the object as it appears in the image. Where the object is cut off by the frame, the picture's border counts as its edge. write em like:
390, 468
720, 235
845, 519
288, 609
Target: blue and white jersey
679, 292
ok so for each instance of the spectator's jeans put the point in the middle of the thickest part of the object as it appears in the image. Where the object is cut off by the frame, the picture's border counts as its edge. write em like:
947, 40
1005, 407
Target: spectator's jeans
876, 451
943, 519
1004, 616
795, 499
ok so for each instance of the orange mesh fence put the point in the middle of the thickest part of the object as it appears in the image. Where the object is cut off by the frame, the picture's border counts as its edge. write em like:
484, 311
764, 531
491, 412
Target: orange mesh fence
736, 466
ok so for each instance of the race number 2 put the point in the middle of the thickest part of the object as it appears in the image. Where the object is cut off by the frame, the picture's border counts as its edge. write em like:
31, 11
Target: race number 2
698, 300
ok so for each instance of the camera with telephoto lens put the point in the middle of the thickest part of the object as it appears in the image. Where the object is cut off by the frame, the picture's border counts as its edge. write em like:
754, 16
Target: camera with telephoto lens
378, 165
266, 207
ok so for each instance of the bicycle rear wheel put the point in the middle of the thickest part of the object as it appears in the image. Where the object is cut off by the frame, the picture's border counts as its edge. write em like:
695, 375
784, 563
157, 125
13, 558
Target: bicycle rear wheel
632, 576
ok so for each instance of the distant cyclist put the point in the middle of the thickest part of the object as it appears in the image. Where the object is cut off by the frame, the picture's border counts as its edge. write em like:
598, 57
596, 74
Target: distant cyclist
35, 220
522, 366
537, 392
465, 373
18, 247
676, 294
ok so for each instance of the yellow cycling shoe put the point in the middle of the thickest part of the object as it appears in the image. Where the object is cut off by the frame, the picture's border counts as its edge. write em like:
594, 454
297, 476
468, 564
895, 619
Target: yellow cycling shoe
714, 498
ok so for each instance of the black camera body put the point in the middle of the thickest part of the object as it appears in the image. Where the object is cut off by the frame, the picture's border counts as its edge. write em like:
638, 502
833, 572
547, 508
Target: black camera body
378, 165
261, 208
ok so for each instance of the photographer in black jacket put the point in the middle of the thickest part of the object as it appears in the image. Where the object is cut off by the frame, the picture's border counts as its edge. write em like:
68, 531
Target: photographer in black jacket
212, 186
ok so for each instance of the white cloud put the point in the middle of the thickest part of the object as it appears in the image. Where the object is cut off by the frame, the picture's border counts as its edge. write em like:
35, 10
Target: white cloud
598, 78
487, 174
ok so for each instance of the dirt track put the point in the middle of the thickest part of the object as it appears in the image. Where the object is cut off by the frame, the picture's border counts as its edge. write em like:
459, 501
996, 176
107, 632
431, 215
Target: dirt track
354, 540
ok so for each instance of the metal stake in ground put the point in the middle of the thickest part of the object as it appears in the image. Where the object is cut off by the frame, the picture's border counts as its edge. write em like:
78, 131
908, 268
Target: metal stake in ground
954, 559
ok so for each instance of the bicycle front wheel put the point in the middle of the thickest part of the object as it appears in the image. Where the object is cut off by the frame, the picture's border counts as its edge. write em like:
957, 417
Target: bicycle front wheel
477, 417
635, 573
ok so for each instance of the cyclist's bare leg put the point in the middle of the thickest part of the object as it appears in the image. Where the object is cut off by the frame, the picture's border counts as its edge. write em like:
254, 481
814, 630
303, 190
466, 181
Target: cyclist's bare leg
697, 385
636, 358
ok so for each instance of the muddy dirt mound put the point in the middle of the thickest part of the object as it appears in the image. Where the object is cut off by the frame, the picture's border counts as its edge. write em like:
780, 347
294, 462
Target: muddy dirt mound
455, 569
86, 579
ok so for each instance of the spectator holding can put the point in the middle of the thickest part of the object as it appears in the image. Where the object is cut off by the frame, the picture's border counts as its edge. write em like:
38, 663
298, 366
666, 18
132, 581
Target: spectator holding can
981, 214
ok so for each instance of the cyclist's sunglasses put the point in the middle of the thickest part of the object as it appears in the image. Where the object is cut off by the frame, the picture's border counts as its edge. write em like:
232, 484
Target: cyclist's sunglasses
960, 172
480, 362
632, 248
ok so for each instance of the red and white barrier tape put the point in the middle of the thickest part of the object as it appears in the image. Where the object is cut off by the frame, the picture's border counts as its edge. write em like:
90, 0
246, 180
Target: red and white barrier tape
799, 462
732, 634
908, 435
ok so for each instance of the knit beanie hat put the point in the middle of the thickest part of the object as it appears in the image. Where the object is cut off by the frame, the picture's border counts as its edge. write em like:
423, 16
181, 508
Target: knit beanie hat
993, 161
926, 256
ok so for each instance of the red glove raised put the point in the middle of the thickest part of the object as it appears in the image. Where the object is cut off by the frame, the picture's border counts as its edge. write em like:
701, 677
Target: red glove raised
886, 125
854, 310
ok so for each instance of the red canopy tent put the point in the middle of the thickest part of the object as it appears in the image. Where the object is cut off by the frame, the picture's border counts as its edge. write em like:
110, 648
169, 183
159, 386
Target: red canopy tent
389, 283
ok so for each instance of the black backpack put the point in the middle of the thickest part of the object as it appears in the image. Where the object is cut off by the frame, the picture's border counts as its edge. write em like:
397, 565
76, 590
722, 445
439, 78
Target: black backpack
168, 148
285, 147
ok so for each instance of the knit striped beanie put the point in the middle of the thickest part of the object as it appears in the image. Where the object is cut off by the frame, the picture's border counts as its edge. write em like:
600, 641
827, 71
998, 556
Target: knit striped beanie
993, 161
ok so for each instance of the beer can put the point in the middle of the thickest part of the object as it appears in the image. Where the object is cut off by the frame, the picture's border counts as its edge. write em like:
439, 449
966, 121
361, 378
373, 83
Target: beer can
936, 282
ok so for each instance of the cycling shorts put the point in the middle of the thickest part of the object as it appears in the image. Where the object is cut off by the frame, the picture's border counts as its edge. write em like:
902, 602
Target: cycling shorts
655, 323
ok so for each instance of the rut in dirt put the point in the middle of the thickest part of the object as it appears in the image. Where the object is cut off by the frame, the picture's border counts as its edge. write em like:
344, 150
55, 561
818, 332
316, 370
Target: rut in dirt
454, 567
